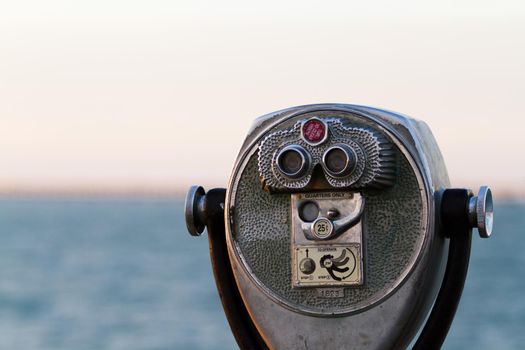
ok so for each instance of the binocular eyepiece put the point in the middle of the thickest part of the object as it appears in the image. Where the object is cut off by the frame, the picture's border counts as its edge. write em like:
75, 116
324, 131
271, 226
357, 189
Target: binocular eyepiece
336, 230
294, 161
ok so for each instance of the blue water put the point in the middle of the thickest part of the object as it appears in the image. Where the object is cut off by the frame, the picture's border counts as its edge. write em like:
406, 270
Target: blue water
124, 274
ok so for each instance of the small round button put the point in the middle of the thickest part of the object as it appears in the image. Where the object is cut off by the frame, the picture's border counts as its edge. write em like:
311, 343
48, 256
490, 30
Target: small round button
307, 266
314, 131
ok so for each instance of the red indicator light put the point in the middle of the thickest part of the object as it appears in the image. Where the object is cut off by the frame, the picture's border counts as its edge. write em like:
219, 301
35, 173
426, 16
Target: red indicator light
314, 131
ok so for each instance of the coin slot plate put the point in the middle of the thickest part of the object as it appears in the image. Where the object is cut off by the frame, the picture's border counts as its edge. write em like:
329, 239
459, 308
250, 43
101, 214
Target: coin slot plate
332, 263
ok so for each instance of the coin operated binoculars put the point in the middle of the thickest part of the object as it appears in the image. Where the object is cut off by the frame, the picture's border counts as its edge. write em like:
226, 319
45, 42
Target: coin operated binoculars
338, 230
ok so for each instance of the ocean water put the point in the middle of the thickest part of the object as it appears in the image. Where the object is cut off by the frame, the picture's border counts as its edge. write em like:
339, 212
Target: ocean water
124, 274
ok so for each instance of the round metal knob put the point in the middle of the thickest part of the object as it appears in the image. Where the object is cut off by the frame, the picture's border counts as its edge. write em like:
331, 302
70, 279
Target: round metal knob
481, 212
194, 210
307, 266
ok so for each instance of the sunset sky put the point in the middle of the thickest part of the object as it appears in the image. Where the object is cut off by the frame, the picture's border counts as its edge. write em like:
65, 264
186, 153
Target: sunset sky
154, 95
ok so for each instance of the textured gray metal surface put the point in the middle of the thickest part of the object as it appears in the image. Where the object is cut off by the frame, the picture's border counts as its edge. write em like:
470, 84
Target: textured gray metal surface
387, 316
375, 156
394, 231
332, 257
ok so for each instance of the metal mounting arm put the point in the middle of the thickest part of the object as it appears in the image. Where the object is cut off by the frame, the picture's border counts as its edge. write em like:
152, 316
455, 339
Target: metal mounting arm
207, 210
460, 212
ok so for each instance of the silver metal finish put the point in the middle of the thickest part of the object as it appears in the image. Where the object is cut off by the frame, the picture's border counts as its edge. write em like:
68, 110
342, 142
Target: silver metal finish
323, 139
322, 228
402, 304
350, 161
305, 161
412, 150
194, 210
332, 213
373, 154
340, 203
336, 251
481, 212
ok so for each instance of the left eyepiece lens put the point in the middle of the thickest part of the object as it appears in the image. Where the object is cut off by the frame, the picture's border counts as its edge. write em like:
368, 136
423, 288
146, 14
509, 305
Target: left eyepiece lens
293, 161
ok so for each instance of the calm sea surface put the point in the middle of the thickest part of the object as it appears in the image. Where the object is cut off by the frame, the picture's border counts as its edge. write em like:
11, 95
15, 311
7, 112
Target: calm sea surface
124, 274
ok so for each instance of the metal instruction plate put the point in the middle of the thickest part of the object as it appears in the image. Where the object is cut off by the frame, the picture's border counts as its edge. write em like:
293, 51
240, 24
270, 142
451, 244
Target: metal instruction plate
327, 265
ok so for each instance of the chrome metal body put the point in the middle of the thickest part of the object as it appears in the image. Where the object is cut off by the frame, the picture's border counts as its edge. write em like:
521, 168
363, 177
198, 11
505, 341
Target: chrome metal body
194, 210
481, 212
350, 207
386, 319
372, 154
342, 242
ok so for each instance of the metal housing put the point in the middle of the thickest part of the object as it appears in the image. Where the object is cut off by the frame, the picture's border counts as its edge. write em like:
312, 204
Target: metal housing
389, 320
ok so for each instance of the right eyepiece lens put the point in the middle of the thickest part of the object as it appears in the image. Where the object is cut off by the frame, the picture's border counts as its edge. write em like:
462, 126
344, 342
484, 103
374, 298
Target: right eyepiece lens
339, 160
336, 160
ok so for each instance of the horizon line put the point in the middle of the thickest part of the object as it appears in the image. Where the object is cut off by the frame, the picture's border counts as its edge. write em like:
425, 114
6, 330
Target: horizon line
155, 192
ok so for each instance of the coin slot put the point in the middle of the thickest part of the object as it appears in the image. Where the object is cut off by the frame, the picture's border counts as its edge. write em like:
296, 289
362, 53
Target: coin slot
308, 211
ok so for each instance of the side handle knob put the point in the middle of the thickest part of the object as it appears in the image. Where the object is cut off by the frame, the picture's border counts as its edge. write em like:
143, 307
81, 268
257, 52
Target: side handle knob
194, 210
481, 212
461, 210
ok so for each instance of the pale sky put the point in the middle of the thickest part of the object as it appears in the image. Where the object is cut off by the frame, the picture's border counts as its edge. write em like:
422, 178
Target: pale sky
160, 94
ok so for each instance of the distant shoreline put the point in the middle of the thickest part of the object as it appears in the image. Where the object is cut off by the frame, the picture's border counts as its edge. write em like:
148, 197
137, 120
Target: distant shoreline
92, 193
157, 193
